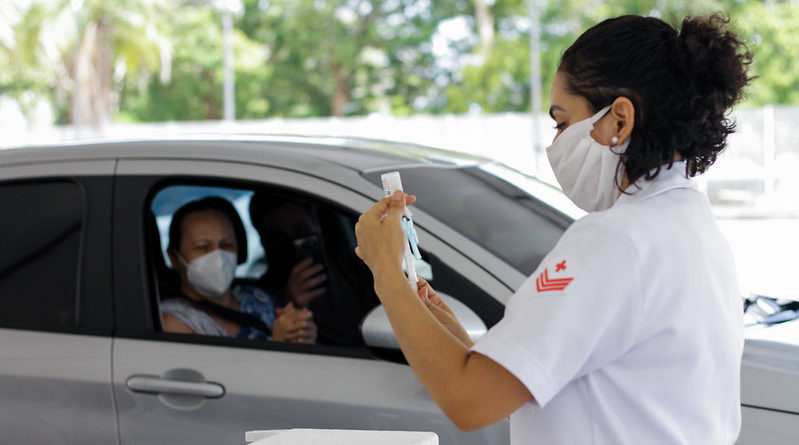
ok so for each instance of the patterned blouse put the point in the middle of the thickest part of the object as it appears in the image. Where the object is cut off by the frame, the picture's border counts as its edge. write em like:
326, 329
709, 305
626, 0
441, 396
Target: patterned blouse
252, 300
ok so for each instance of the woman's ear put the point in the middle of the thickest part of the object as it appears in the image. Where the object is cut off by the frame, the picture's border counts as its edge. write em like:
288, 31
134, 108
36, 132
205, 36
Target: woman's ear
622, 113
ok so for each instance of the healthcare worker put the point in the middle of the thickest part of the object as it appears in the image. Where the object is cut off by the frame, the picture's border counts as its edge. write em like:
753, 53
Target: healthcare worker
630, 331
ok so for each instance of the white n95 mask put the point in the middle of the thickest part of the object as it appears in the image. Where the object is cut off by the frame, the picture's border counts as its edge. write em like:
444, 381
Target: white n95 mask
585, 169
212, 273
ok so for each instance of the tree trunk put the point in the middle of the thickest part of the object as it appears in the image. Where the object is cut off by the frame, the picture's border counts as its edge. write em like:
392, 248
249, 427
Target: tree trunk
92, 76
341, 92
485, 27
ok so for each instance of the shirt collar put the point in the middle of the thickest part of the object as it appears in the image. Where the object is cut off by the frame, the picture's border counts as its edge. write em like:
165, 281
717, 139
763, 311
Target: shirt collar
667, 179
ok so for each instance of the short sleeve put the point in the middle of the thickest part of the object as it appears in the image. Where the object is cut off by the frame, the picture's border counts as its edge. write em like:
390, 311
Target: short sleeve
576, 313
197, 320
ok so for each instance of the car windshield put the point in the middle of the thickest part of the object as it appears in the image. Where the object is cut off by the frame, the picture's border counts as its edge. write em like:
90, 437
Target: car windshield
484, 206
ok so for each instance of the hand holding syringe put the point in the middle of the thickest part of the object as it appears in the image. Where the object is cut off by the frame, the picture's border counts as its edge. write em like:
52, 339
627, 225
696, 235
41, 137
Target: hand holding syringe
392, 183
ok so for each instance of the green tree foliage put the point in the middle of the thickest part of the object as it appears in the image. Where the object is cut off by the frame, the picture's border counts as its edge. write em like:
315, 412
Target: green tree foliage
772, 28
299, 58
59, 51
25, 74
343, 57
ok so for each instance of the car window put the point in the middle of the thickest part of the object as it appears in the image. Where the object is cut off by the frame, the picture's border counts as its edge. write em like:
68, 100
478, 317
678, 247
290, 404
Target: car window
40, 239
348, 290
171, 198
346, 293
495, 214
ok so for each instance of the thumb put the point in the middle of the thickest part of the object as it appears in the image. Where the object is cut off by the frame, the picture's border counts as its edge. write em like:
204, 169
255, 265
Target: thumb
396, 205
423, 293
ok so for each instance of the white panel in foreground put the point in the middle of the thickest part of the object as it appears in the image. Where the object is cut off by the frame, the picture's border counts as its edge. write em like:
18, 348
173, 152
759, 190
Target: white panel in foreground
339, 437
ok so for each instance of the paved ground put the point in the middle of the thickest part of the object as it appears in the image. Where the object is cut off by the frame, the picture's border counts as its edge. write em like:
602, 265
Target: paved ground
766, 254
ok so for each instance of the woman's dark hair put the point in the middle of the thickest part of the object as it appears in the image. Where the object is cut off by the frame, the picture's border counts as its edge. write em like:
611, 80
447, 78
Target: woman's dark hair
213, 203
682, 85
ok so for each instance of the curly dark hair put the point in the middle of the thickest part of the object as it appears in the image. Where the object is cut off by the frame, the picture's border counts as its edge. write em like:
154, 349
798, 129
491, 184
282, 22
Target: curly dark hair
682, 85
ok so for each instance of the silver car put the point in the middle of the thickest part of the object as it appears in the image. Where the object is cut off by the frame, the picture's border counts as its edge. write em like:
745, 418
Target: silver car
83, 358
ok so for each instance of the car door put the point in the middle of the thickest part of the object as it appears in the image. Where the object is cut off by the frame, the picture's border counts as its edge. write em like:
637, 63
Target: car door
769, 390
193, 389
55, 303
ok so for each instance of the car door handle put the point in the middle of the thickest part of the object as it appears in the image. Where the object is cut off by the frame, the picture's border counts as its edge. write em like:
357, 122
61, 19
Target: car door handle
153, 384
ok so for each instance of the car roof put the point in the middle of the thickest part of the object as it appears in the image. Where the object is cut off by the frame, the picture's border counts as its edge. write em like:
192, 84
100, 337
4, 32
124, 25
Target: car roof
357, 154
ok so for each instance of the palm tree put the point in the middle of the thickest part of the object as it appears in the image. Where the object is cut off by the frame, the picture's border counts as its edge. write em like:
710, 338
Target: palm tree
92, 45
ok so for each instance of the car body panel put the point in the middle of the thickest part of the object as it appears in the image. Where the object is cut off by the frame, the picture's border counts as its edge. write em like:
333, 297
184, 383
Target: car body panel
55, 386
272, 390
770, 385
760, 427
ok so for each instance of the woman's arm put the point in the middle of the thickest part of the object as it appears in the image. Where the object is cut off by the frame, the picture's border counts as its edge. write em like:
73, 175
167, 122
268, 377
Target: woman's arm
471, 389
174, 325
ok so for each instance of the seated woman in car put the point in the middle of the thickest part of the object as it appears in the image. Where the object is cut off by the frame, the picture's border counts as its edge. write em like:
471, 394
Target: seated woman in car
206, 242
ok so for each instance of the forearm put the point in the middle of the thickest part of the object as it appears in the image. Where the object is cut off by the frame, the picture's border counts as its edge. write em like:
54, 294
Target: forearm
438, 358
472, 389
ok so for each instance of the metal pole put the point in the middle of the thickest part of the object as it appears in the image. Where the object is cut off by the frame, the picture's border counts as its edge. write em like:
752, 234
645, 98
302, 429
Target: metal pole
229, 87
769, 151
76, 6
535, 79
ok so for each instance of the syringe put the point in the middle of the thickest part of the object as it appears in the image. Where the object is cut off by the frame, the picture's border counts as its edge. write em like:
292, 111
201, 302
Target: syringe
392, 183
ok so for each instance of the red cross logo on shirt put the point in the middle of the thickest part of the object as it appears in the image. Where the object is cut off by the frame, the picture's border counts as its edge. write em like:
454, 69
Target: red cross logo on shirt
544, 283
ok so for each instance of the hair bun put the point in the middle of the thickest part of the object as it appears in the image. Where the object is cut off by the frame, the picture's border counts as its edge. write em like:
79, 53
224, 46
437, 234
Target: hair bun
714, 58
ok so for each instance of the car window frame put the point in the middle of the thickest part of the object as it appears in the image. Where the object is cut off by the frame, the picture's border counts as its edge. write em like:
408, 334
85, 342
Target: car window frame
136, 183
95, 180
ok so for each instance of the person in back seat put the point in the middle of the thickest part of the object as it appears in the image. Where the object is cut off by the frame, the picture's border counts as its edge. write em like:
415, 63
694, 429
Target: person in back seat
311, 263
204, 241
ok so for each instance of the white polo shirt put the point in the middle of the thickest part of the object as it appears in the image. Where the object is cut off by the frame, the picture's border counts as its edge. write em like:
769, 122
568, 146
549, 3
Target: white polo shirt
631, 330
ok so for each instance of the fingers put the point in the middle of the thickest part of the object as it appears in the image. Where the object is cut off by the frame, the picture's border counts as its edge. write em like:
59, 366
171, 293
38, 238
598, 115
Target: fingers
382, 206
439, 302
313, 281
303, 264
307, 336
438, 312
300, 329
294, 325
396, 205
426, 292
430, 297
390, 204
291, 315
306, 268
379, 234
304, 336
307, 296
423, 294
305, 280
376, 211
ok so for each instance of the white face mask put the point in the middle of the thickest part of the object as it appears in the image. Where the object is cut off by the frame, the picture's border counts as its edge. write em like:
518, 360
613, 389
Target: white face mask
586, 169
212, 273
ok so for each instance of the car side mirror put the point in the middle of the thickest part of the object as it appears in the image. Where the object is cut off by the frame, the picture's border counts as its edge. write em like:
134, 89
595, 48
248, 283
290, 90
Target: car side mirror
379, 336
